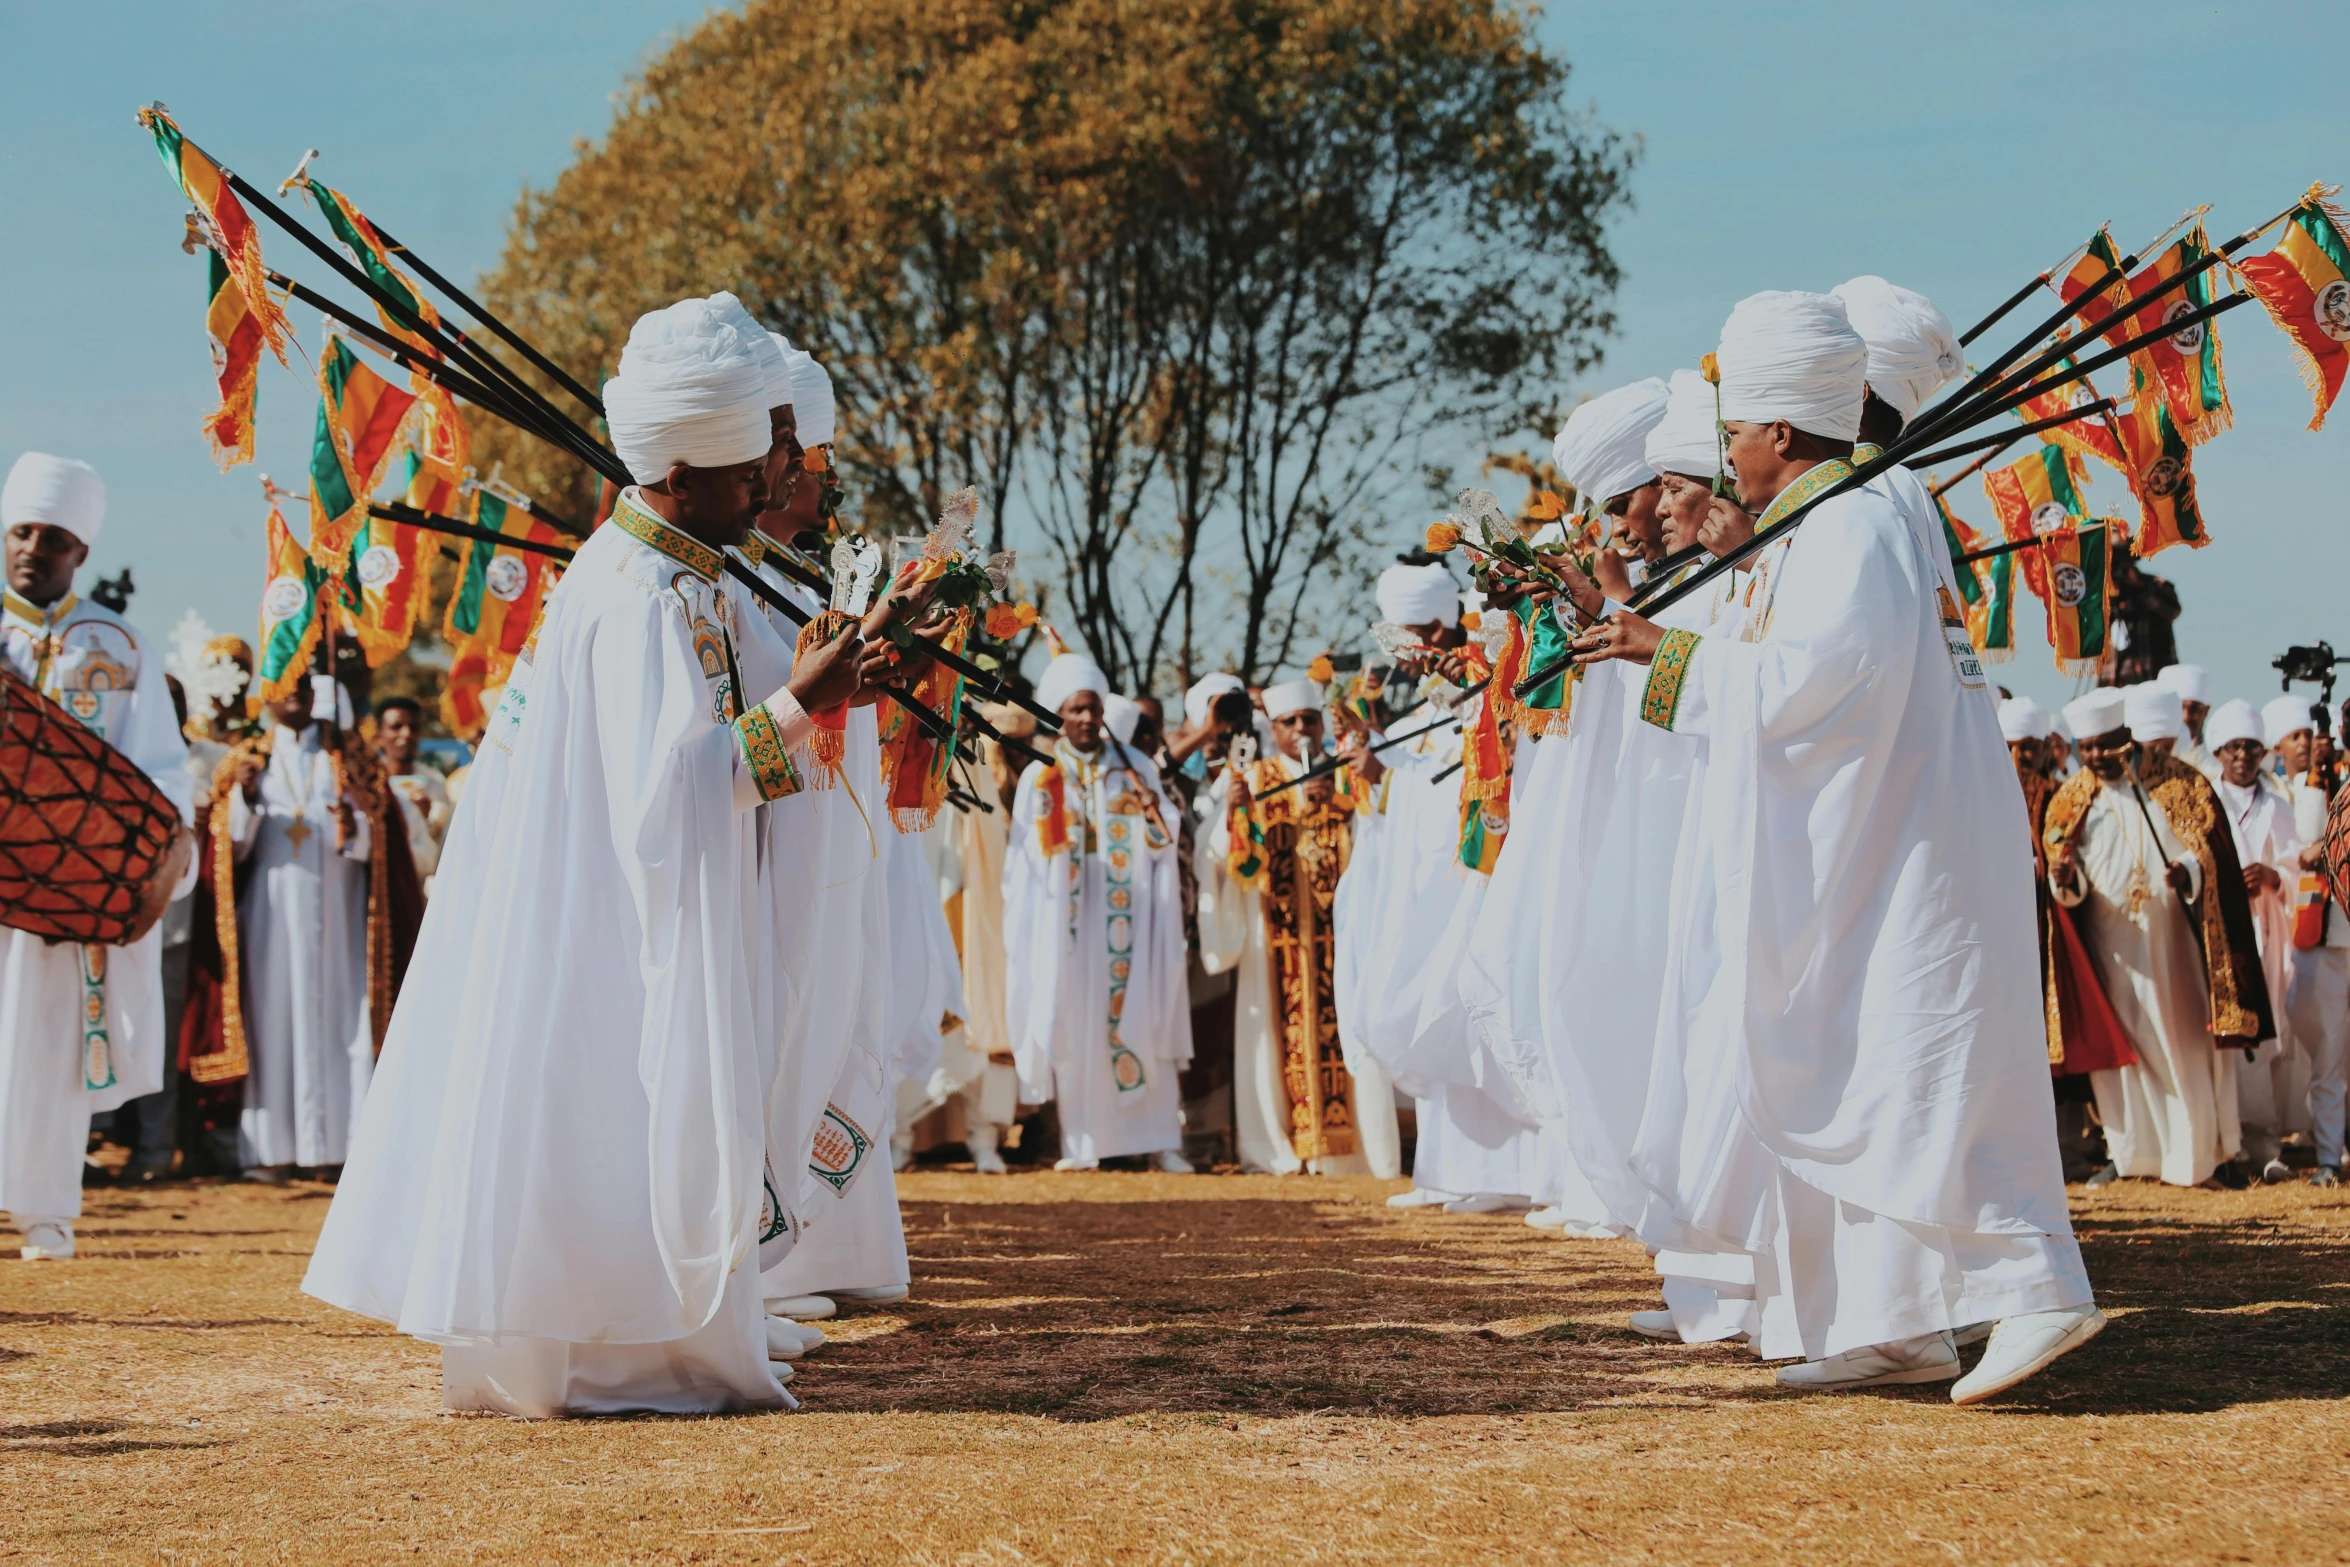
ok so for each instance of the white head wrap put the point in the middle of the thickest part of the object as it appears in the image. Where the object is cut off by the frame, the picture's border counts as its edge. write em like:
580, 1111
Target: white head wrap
1203, 694
812, 401
1795, 357
2095, 713
1601, 449
1415, 595
1067, 675
689, 390
771, 349
2191, 681
2283, 715
1683, 440
2021, 718
1292, 696
1913, 348
2233, 719
1121, 714
2153, 712
58, 491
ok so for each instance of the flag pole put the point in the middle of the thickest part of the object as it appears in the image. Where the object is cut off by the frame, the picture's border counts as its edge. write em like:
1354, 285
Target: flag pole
434, 522
2005, 438
1325, 769
513, 339
2012, 545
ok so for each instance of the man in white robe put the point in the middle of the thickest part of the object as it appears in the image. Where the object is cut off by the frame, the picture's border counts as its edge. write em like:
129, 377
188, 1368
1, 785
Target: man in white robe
2319, 1003
1874, 1150
2123, 864
1298, 1103
2193, 684
601, 1038
991, 1100
2272, 1083
82, 1029
1096, 994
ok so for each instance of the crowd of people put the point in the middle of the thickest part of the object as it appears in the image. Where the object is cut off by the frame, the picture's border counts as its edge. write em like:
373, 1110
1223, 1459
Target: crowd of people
1722, 939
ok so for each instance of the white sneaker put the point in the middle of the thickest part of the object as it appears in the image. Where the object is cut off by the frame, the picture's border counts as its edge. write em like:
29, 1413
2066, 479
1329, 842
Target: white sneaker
1172, 1163
878, 1295
1485, 1202
1548, 1218
2023, 1346
802, 1308
1932, 1357
1656, 1325
1077, 1164
1420, 1197
47, 1240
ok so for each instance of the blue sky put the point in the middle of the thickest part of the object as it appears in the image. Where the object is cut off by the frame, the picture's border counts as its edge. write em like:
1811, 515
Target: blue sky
1955, 148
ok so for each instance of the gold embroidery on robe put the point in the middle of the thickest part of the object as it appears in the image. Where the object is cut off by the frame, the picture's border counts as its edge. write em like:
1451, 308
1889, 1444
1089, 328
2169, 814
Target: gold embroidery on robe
1306, 847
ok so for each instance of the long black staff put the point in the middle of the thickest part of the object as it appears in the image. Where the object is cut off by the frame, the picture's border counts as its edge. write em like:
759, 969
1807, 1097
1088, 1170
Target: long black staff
2012, 545
1894, 456
1325, 769
513, 339
434, 522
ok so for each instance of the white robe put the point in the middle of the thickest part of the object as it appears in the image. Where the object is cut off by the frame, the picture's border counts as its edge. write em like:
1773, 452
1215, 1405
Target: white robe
103, 673
2173, 1114
1865, 1138
1097, 998
2272, 1084
558, 1172
302, 959
992, 1096
1232, 935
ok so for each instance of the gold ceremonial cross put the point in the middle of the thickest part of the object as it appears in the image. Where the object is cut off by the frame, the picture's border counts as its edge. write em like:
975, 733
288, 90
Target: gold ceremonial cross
298, 834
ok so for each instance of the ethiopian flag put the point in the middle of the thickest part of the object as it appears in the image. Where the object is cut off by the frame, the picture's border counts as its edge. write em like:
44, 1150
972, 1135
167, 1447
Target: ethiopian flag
2304, 284
289, 612
362, 419
2084, 287
388, 575
2080, 595
2161, 475
2184, 365
236, 338
1960, 540
2033, 496
497, 596
2083, 437
228, 229
367, 247
1990, 620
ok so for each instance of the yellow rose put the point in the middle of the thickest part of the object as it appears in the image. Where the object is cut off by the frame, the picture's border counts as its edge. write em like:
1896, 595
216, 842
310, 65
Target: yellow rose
1319, 671
1442, 537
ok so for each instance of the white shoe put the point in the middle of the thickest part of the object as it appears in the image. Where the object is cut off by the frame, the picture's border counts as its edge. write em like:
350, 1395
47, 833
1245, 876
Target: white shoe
1656, 1325
981, 1140
1172, 1163
1485, 1202
1420, 1197
878, 1295
47, 1240
1077, 1164
802, 1308
1589, 1232
782, 1372
786, 1340
1929, 1358
1548, 1218
2023, 1346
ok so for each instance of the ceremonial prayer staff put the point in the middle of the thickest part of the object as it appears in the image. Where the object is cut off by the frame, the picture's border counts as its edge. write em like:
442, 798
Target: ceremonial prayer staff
434, 522
1894, 456
2003, 439
2013, 545
1325, 769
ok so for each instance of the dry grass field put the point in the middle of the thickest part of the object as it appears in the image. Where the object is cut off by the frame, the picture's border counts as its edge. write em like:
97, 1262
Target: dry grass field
1147, 1368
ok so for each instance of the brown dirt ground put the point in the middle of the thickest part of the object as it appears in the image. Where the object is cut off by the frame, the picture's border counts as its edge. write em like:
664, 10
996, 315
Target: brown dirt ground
1208, 1368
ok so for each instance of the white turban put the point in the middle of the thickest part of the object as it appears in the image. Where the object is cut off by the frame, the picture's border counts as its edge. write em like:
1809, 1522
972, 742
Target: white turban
1913, 348
1683, 441
2153, 712
811, 399
689, 390
2021, 718
1795, 357
2096, 713
1415, 595
771, 349
1065, 676
2231, 720
2283, 715
59, 491
1203, 694
2191, 681
1601, 450
1292, 696
1121, 714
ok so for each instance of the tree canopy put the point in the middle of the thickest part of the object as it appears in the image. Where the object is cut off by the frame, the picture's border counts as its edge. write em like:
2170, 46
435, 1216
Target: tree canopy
1186, 287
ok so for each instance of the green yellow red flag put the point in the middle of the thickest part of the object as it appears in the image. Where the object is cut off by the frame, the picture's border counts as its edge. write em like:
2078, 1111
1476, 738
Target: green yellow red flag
367, 247
2161, 474
2032, 496
2080, 594
389, 575
2083, 437
495, 603
1990, 620
290, 621
2304, 284
229, 228
362, 421
2084, 287
1960, 540
2185, 366
236, 337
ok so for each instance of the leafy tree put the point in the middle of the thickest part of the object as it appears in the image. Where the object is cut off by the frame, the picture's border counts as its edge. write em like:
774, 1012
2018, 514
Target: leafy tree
1187, 287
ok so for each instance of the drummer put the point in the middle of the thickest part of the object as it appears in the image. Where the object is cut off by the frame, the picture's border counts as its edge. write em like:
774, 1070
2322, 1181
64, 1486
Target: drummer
81, 1028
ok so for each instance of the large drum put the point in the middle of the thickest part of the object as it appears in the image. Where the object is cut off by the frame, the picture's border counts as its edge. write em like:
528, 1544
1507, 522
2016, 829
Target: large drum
89, 847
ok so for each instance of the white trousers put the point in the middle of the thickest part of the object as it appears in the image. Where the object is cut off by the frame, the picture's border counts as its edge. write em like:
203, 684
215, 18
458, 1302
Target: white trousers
2320, 1009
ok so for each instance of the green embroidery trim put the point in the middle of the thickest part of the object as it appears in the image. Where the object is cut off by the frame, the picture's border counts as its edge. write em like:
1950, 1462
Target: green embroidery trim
1810, 483
635, 521
1866, 452
1660, 700
762, 741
